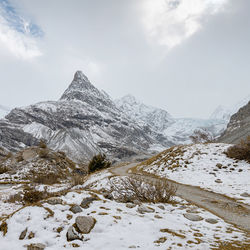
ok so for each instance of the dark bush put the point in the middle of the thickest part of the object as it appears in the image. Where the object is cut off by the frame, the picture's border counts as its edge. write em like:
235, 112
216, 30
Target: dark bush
32, 196
98, 162
44, 153
3, 169
240, 151
42, 144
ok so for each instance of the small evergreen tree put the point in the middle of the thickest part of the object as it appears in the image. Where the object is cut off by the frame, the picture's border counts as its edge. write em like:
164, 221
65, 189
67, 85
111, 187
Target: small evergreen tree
98, 162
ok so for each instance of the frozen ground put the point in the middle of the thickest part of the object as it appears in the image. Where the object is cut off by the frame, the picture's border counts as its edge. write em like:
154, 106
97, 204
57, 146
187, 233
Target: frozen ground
117, 226
203, 165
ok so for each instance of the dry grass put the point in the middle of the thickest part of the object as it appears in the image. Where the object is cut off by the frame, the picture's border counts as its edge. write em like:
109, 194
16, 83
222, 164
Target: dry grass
77, 179
127, 189
18, 197
240, 151
236, 245
169, 231
3, 169
48, 179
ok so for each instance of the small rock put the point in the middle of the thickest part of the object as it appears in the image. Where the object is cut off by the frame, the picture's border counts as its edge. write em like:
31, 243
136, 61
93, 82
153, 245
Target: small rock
36, 246
161, 207
182, 207
31, 235
143, 209
54, 201
245, 194
23, 234
132, 246
130, 205
218, 181
136, 202
211, 221
72, 234
108, 195
85, 223
87, 201
76, 209
158, 217
192, 217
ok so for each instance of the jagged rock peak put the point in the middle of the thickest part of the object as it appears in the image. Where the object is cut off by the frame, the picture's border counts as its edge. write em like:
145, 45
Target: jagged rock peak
79, 76
79, 88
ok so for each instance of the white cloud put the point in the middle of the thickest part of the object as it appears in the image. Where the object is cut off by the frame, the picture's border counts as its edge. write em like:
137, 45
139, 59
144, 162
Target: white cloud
17, 43
170, 22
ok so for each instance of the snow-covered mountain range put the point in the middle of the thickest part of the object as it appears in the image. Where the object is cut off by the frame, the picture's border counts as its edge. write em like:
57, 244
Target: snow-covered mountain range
83, 122
177, 131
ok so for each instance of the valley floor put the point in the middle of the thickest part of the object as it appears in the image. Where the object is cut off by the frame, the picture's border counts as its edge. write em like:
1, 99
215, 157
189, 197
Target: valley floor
176, 225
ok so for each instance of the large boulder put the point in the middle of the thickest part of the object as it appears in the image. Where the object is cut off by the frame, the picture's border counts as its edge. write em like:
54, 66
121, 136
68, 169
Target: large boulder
84, 224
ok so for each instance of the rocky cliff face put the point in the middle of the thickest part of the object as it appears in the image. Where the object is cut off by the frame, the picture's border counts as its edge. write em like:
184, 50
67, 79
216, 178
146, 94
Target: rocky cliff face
239, 126
83, 122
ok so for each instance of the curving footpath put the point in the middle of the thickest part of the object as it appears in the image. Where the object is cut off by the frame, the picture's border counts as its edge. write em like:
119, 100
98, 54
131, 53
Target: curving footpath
228, 209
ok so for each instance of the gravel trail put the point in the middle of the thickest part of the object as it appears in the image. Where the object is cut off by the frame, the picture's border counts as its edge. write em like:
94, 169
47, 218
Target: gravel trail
228, 209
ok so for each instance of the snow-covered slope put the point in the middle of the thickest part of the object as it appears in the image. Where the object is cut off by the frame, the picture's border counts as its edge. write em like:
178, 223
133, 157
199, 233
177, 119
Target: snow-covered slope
4, 111
157, 119
204, 165
83, 122
183, 129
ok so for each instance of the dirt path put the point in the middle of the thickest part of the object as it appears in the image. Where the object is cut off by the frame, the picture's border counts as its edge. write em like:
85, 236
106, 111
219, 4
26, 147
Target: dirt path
224, 207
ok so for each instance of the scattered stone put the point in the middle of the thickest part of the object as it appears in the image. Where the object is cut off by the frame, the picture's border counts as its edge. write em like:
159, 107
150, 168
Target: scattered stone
158, 216
192, 217
69, 216
130, 205
102, 213
219, 165
73, 235
87, 201
136, 202
193, 211
76, 209
31, 235
117, 217
23, 234
182, 207
160, 240
161, 207
143, 209
54, 201
211, 221
85, 223
218, 181
245, 194
108, 195
36, 246
132, 246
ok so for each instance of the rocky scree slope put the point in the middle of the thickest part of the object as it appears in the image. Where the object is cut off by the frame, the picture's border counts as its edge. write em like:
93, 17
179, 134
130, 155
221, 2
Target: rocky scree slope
238, 127
83, 122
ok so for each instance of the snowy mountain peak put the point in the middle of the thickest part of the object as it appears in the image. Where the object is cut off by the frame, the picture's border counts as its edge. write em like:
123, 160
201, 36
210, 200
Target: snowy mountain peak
81, 89
129, 99
79, 76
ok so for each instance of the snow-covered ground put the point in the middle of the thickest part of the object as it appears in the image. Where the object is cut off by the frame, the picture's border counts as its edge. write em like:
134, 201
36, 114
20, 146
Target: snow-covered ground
117, 226
204, 165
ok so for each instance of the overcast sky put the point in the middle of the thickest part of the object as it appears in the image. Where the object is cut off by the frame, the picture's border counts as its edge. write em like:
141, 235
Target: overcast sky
185, 56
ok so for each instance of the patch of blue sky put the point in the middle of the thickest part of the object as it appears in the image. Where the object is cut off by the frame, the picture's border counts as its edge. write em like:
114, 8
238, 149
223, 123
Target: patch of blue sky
18, 22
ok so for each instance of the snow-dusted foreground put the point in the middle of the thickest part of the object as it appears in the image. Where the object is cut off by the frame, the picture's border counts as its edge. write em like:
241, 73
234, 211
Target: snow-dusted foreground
203, 165
118, 225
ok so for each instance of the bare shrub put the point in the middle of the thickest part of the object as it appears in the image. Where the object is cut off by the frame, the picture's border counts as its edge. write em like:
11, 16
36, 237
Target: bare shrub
240, 151
32, 196
42, 144
3, 169
49, 178
131, 188
43, 153
77, 179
